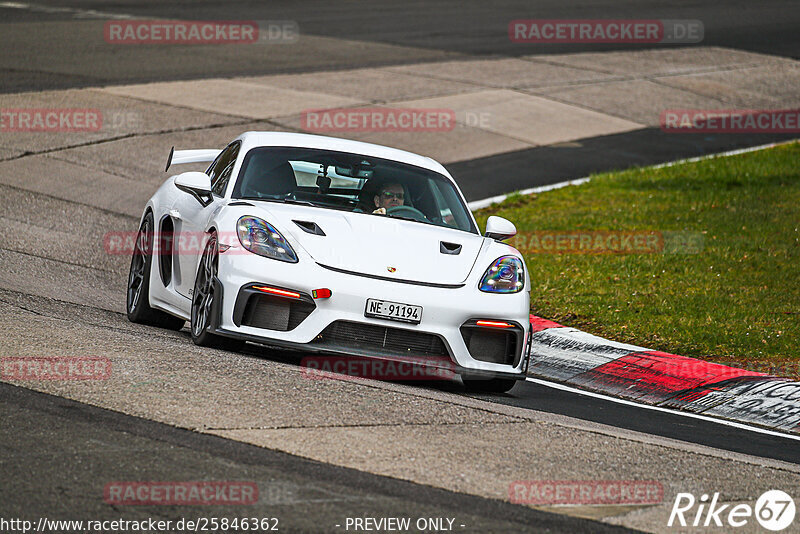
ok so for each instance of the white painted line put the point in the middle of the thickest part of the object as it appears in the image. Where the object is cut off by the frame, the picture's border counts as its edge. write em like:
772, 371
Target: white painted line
725, 422
723, 154
478, 204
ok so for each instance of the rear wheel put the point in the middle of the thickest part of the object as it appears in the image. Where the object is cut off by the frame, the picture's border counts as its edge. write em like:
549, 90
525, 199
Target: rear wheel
203, 301
138, 294
492, 385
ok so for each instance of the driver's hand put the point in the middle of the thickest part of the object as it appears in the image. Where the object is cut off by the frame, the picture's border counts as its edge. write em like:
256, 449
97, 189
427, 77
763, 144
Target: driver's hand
380, 211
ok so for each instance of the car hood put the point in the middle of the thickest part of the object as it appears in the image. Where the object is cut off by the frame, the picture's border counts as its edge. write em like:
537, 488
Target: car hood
377, 245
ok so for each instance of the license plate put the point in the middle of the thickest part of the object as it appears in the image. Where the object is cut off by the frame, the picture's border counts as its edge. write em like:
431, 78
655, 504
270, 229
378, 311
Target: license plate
394, 311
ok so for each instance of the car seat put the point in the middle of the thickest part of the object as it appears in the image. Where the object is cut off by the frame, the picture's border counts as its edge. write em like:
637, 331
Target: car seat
277, 181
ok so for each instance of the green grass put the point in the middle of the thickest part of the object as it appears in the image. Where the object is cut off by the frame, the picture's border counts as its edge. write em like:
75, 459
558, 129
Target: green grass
736, 300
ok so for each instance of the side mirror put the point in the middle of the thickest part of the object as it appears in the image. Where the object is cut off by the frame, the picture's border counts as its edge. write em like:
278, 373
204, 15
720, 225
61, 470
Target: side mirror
499, 228
194, 182
197, 184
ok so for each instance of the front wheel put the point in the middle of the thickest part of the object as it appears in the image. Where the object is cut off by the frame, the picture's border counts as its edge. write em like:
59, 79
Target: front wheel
492, 385
203, 301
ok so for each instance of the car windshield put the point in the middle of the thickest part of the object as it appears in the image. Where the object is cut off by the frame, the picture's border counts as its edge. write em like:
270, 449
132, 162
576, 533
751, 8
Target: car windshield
351, 182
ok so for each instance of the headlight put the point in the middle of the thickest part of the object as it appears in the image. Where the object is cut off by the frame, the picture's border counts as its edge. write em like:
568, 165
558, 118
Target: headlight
260, 237
504, 275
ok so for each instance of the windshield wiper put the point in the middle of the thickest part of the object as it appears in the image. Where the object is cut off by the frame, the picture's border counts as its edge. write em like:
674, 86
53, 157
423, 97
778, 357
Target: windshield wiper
281, 200
300, 203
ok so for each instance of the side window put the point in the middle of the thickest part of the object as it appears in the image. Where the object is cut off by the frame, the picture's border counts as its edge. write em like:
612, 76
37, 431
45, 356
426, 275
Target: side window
444, 213
225, 161
218, 187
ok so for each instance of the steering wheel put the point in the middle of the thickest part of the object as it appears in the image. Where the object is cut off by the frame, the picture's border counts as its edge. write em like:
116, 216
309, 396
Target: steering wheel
407, 211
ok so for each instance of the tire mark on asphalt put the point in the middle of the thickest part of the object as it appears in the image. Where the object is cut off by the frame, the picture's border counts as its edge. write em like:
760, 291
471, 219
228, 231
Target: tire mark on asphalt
69, 201
521, 420
134, 135
48, 258
75, 315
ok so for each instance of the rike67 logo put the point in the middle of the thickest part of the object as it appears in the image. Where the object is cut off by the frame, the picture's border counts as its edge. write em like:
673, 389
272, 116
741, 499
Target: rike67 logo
774, 510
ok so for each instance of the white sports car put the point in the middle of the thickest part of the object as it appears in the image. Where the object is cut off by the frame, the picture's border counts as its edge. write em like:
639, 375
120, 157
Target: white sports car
333, 246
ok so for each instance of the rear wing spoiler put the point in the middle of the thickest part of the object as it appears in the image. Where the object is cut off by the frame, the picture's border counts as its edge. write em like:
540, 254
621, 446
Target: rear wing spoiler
178, 157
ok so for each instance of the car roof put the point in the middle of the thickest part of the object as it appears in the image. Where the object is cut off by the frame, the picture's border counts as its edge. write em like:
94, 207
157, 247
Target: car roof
258, 139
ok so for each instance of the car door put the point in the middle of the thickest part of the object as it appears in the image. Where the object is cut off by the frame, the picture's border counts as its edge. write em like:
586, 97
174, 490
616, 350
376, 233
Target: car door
191, 218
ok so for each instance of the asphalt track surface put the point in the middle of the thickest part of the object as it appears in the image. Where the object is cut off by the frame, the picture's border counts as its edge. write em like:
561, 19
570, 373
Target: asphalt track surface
62, 453
43, 455
392, 32
568, 161
669, 425
672, 424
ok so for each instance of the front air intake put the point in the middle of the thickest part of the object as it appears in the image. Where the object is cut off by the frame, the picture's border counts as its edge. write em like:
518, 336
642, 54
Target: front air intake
275, 313
493, 345
258, 309
380, 340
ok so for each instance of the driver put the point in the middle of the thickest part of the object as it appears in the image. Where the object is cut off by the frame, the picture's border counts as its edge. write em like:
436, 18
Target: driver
389, 196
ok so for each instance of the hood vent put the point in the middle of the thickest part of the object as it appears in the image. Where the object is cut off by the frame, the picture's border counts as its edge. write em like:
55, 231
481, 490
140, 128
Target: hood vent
453, 249
309, 227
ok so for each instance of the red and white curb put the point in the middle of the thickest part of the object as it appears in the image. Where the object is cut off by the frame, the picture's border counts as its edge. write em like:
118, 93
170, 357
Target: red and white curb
570, 356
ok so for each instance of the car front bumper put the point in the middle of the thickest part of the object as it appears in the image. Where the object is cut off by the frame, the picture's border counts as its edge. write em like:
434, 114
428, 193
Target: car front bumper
447, 312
